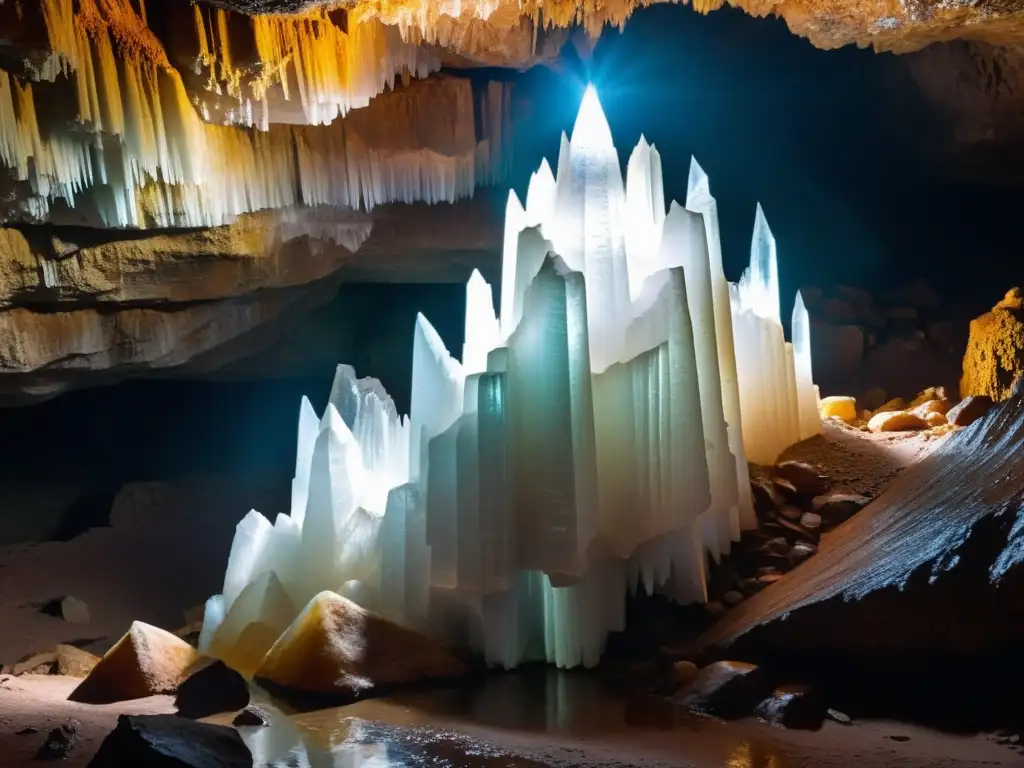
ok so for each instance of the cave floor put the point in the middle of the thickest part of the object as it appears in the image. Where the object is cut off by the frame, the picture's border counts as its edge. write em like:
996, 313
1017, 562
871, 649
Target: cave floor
504, 724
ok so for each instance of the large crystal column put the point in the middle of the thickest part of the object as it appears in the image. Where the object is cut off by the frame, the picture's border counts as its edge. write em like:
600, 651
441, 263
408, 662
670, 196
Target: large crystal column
700, 200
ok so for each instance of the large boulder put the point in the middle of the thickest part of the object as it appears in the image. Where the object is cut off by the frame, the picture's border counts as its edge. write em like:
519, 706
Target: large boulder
167, 741
337, 650
147, 661
994, 360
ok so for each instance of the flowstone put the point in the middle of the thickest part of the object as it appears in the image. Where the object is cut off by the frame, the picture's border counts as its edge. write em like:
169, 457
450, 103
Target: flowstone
593, 439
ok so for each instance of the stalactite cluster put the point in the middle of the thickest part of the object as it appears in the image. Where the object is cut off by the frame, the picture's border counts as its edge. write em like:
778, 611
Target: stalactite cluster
136, 152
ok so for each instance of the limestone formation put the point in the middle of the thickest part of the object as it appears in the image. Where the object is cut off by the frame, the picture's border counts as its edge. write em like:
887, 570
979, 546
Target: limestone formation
145, 662
994, 360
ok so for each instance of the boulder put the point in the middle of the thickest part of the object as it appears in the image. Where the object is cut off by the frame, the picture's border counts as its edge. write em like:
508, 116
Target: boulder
338, 650
801, 551
897, 421
935, 420
805, 479
145, 662
729, 689
929, 395
838, 407
969, 410
209, 688
168, 741
994, 359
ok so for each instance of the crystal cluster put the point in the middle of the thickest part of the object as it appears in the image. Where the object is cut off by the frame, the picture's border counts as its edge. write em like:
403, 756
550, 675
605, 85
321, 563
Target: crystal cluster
590, 441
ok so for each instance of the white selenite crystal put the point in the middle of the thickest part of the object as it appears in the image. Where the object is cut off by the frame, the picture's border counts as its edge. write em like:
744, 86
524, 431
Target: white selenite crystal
764, 359
592, 441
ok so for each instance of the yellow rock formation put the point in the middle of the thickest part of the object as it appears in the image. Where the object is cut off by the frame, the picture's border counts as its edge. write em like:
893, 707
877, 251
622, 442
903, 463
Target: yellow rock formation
839, 407
994, 360
336, 648
145, 662
897, 421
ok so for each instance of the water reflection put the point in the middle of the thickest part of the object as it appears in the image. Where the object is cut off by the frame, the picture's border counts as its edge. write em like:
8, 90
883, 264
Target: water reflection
531, 719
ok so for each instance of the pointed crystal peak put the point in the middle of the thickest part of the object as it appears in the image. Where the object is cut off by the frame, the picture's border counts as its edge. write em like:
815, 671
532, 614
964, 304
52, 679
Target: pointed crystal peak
798, 306
513, 206
697, 183
476, 280
591, 127
761, 280
332, 419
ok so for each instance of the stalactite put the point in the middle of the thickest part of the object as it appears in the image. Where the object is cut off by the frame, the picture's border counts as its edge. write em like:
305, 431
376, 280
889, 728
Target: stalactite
146, 157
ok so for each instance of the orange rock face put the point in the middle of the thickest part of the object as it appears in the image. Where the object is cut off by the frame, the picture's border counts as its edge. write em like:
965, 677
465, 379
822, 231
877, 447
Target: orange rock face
145, 662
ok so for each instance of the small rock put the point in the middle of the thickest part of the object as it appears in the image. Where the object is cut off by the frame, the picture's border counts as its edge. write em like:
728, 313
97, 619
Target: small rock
783, 486
795, 527
969, 410
60, 741
750, 587
766, 496
210, 687
253, 716
935, 420
789, 512
792, 708
27, 731
873, 399
715, 608
896, 404
74, 662
836, 508
900, 738
896, 421
807, 480
801, 551
810, 520
70, 608
36, 664
732, 598
169, 740
683, 673
776, 546
766, 579
729, 689
839, 717
838, 407
930, 395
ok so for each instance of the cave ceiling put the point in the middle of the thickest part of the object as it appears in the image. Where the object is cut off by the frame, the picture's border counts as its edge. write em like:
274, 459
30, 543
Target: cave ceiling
177, 177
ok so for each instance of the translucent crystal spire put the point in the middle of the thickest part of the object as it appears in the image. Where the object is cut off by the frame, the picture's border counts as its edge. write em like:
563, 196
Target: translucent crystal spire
593, 439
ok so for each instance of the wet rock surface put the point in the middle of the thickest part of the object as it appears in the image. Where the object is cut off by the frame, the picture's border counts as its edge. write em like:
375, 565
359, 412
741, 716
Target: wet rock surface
166, 741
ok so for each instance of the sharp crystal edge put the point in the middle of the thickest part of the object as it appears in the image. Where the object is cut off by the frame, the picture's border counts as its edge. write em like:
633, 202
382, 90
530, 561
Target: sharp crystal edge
592, 440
